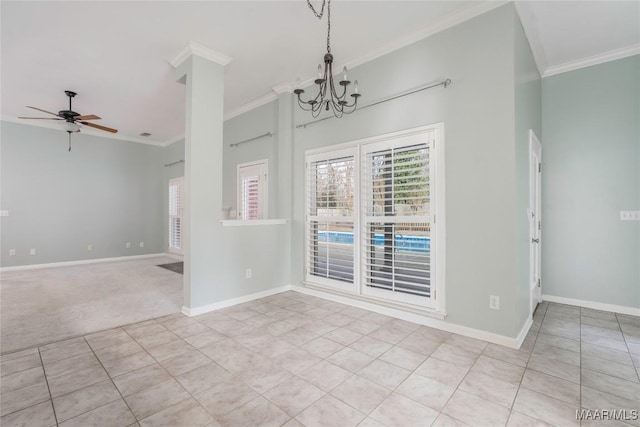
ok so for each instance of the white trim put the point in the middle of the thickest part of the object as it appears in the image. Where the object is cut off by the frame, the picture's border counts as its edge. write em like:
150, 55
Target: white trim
251, 222
600, 58
283, 88
632, 311
524, 331
258, 102
85, 131
418, 318
174, 256
79, 262
196, 49
443, 24
232, 301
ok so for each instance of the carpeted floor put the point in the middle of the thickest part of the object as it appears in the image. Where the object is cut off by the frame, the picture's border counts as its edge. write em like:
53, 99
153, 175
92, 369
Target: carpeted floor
47, 305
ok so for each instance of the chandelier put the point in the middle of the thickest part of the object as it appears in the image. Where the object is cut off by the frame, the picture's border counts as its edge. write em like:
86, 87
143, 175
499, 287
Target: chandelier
328, 97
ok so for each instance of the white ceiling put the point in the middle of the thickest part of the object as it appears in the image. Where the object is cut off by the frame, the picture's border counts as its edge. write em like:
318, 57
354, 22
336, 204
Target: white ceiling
116, 54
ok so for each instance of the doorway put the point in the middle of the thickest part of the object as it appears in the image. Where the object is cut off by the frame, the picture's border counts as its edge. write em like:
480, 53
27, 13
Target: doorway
535, 218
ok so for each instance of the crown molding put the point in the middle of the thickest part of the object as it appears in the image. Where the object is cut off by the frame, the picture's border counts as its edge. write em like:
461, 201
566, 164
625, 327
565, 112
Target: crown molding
196, 49
443, 24
258, 102
601, 58
526, 16
85, 131
173, 140
283, 88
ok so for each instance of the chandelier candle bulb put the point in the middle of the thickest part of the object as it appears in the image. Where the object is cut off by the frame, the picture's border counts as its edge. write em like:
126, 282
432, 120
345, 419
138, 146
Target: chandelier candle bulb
355, 87
344, 71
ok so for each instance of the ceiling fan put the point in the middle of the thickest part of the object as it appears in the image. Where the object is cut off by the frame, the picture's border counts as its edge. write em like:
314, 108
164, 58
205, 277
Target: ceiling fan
71, 118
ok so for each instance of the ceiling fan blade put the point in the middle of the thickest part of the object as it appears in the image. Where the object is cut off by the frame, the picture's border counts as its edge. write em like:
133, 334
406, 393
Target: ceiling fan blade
44, 111
100, 127
87, 117
41, 118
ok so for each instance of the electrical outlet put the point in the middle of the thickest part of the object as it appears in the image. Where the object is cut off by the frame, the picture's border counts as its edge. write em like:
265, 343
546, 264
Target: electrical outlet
494, 302
90, 247
248, 273
4, 213
128, 245
142, 244
12, 252
32, 251
629, 215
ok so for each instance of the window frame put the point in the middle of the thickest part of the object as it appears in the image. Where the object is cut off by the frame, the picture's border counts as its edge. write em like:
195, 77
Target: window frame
436, 302
336, 154
263, 188
177, 182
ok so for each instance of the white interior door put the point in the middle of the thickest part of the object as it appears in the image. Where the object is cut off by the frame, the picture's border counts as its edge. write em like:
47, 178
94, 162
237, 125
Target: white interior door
176, 186
535, 225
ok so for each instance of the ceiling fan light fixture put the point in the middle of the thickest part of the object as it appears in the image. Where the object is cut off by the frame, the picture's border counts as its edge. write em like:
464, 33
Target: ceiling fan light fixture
71, 127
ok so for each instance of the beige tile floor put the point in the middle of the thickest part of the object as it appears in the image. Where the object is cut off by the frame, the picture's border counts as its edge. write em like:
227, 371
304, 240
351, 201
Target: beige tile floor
291, 359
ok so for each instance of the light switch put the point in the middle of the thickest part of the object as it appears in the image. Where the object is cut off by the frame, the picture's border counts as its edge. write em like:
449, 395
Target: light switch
4, 213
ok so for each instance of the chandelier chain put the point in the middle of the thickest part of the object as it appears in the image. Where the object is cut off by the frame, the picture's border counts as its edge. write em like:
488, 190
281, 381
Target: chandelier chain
320, 14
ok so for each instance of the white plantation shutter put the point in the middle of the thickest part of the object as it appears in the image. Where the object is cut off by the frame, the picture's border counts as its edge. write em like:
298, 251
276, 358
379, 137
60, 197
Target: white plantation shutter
370, 217
175, 215
396, 221
330, 220
252, 190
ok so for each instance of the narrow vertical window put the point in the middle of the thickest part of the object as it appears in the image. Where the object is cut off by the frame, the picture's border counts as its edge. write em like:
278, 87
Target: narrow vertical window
175, 215
252, 190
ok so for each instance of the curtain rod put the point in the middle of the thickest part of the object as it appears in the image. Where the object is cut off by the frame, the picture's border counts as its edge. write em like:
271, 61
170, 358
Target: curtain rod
174, 163
235, 144
444, 83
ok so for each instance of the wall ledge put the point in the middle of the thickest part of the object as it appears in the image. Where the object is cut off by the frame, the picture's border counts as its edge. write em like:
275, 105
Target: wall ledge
251, 222
632, 311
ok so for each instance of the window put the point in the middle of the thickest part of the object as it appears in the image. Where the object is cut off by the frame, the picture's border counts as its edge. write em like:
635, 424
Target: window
253, 190
371, 212
330, 222
175, 215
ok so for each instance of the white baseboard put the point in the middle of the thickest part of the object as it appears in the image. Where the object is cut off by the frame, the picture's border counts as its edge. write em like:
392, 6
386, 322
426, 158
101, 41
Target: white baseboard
174, 256
79, 262
422, 319
524, 331
233, 301
594, 305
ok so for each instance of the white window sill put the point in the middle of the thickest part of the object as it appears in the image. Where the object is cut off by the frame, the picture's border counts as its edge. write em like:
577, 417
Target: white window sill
251, 222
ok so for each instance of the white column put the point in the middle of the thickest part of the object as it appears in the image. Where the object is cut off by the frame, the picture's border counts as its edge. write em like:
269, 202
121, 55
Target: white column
202, 72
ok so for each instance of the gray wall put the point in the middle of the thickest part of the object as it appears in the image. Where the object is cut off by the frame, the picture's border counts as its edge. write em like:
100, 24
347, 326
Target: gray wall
528, 108
479, 118
249, 125
105, 192
591, 171
260, 248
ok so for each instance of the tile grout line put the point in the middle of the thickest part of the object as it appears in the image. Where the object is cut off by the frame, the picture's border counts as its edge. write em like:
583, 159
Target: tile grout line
168, 373
55, 416
628, 349
110, 379
527, 363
